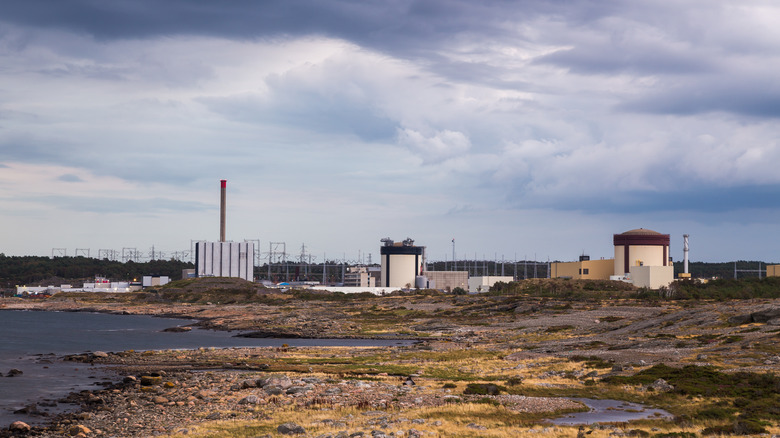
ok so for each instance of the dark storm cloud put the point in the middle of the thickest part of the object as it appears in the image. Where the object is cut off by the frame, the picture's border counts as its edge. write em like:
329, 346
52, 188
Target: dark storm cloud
608, 59
704, 199
754, 97
410, 24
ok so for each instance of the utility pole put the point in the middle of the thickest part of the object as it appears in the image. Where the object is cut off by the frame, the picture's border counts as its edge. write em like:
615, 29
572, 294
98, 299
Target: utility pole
454, 264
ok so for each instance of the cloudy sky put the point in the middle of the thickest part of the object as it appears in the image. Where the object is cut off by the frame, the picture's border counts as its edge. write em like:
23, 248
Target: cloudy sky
520, 129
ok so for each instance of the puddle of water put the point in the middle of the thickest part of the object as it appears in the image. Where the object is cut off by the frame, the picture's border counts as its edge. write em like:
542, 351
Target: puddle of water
610, 411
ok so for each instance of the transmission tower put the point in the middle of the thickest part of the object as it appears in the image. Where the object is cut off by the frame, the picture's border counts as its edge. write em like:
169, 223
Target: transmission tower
84, 252
59, 252
129, 254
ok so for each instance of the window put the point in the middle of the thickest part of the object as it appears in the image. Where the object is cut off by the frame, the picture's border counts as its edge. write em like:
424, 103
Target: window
585, 271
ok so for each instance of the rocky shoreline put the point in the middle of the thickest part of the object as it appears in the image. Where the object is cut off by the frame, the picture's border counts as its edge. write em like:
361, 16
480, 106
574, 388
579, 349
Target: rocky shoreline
176, 392
547, 346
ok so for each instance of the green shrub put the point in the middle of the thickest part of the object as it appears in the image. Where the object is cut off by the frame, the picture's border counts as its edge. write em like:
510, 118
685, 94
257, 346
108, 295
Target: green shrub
483, 389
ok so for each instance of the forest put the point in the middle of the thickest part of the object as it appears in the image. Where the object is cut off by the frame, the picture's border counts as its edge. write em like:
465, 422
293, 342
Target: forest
32, 270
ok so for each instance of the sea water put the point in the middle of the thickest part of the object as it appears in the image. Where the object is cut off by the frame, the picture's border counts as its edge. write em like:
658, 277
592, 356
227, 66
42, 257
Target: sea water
33, 342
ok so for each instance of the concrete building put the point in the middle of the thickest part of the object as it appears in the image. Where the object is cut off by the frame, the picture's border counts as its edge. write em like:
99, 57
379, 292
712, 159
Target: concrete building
359, 276
155, 280
773, 270
642, 256
446, 280
484, 283
401, 263
225, 259
584, 269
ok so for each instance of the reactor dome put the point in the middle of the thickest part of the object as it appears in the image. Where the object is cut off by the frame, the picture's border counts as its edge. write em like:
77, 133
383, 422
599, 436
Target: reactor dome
640, 247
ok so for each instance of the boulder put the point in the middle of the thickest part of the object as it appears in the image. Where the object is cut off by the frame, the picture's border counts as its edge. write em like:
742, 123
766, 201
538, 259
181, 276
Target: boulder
14, 372
291, 429
100, 354
151, 380
273, 389
661, 385
79, 429
249, 400
177, 329
279, 380
19, 426
248, 383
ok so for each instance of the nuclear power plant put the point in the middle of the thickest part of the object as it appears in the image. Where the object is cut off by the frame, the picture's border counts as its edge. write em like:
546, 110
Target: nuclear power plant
224, 258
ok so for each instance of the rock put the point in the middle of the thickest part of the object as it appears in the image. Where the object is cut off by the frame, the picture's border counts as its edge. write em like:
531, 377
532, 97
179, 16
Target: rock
159, 400
79, 429
281, 380
204, 394
14, 372
414, 433
100, 354
129, 379
19, 426
151, 380
273, 389
593, 373
177, 329
476, 426
249, 400
291, 429
764, 316
31, 409
296, 390
409, 381
661, 385
248, 383
701, 357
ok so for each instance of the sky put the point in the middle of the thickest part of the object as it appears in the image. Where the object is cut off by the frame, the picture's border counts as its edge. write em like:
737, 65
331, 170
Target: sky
520, 130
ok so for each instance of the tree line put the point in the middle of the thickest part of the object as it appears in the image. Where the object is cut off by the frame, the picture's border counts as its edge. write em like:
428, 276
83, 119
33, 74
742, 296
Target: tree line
32, 270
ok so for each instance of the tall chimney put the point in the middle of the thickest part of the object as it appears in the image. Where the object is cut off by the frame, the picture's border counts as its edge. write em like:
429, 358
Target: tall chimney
222, 208
685, 253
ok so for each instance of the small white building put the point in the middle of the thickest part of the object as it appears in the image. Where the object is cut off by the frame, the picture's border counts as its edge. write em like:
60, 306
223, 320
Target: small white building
484, 283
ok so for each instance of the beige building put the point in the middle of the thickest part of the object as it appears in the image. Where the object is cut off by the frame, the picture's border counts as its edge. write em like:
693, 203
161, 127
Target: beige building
447, 280
401, 263
358, 276
585, 269
773, 270
640, 247
642, 256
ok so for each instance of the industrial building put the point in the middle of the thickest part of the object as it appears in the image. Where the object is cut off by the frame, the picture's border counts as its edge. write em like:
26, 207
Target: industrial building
484, 283
444, 280
641, 258
224, 259
584, 269
401, 263
361, 276
773, 270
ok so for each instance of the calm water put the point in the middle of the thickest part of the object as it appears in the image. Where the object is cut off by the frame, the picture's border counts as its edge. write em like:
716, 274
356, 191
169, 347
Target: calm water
32, 341
610, 411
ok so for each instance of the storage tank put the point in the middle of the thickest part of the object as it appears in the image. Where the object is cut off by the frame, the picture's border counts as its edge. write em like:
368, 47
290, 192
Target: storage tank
640, 247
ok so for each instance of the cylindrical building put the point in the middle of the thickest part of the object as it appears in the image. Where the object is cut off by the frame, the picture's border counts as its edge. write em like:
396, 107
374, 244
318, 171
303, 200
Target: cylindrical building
401, 263
640, 247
